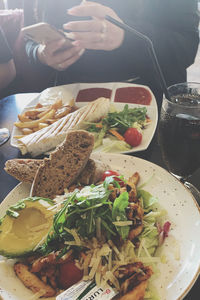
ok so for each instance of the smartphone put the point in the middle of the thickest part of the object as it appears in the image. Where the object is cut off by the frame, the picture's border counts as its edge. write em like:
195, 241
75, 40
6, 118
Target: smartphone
43, 33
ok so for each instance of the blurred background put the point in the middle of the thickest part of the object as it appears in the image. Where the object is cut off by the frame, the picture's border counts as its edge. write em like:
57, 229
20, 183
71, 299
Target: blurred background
14, 14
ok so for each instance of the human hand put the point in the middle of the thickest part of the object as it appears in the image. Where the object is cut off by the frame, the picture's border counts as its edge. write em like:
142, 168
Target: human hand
55, 54
96, 33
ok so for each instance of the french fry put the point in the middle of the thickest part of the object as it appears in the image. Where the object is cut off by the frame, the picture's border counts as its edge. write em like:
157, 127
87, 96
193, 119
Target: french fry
40, 115
35, 111
57, 104
50, 121
35, 123
18, 136
23, 118
63, 111
38, 105
35, 129
27, 131
42, 125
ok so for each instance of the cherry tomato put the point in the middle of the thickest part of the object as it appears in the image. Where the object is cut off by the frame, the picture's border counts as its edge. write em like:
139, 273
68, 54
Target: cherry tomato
112, 173
69, 274
133, 137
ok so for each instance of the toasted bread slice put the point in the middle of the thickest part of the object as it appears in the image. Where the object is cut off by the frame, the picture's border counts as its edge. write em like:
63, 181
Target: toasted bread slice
23, 169
64, 165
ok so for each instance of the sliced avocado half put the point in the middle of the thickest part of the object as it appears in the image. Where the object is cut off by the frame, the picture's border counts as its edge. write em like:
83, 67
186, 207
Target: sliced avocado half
24, 226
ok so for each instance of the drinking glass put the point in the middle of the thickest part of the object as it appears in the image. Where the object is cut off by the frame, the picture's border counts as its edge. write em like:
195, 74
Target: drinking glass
179, 132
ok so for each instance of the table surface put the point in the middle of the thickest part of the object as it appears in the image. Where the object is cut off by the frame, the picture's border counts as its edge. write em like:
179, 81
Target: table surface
11, 106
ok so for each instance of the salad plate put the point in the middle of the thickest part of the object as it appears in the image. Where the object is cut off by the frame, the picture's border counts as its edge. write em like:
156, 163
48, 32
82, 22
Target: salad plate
136, 96
181, 250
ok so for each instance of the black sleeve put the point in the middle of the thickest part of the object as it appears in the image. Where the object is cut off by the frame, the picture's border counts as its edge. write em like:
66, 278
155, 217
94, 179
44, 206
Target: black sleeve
172, 26
5, 51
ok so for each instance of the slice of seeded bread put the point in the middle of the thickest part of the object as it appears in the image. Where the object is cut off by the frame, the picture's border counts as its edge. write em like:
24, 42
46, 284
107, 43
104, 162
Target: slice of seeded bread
23, 169
64, 165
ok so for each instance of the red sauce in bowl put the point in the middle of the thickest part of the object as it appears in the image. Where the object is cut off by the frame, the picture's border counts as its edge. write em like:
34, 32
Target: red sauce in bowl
137, 95
91, 94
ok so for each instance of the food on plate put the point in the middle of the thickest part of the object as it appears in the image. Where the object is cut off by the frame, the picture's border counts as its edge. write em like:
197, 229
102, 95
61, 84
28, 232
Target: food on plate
48, 138
93, 172
64, 165
134, 94
120, 130
105, 234
24, 170
24, 225
32, 282
116, 175
133, 137
41, 116
91, 94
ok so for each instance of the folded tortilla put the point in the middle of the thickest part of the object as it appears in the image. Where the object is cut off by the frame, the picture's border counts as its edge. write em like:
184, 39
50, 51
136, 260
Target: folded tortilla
49, 137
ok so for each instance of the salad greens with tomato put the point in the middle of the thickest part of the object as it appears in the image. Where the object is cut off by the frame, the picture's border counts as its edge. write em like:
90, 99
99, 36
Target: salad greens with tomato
101, 228
82, 209
92, 213
123, 128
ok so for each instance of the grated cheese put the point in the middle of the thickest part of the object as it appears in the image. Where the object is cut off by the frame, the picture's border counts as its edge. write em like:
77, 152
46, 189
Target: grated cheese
123, 223
75, 236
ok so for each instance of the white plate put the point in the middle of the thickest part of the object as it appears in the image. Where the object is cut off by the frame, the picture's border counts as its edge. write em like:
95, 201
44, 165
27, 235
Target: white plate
176, 276
68, 92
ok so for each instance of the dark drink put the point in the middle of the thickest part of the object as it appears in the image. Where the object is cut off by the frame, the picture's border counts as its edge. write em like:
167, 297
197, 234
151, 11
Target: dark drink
179, 139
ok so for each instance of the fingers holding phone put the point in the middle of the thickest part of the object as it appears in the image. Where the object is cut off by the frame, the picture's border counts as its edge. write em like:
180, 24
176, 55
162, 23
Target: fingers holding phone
55, 49
58, 55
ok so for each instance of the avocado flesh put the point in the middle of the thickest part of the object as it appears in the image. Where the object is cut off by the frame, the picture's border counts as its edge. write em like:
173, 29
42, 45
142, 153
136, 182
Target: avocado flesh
19, 236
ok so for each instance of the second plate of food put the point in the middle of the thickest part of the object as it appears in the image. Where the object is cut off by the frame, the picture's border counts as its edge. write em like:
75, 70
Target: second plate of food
131, 106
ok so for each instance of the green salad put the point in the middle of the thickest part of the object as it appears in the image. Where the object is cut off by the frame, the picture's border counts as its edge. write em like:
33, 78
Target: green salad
120, 130
106, 234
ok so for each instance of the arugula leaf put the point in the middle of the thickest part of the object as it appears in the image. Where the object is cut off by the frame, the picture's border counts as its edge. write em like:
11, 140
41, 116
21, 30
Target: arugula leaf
82, 208
124, 119
60, 217
119, 213
93, 128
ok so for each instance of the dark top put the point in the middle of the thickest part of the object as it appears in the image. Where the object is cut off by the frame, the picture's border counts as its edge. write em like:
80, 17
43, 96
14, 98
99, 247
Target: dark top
5, 51
172, 26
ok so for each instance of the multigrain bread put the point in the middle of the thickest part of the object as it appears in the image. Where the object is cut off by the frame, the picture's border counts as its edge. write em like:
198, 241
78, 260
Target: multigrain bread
24, 170
63, 165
